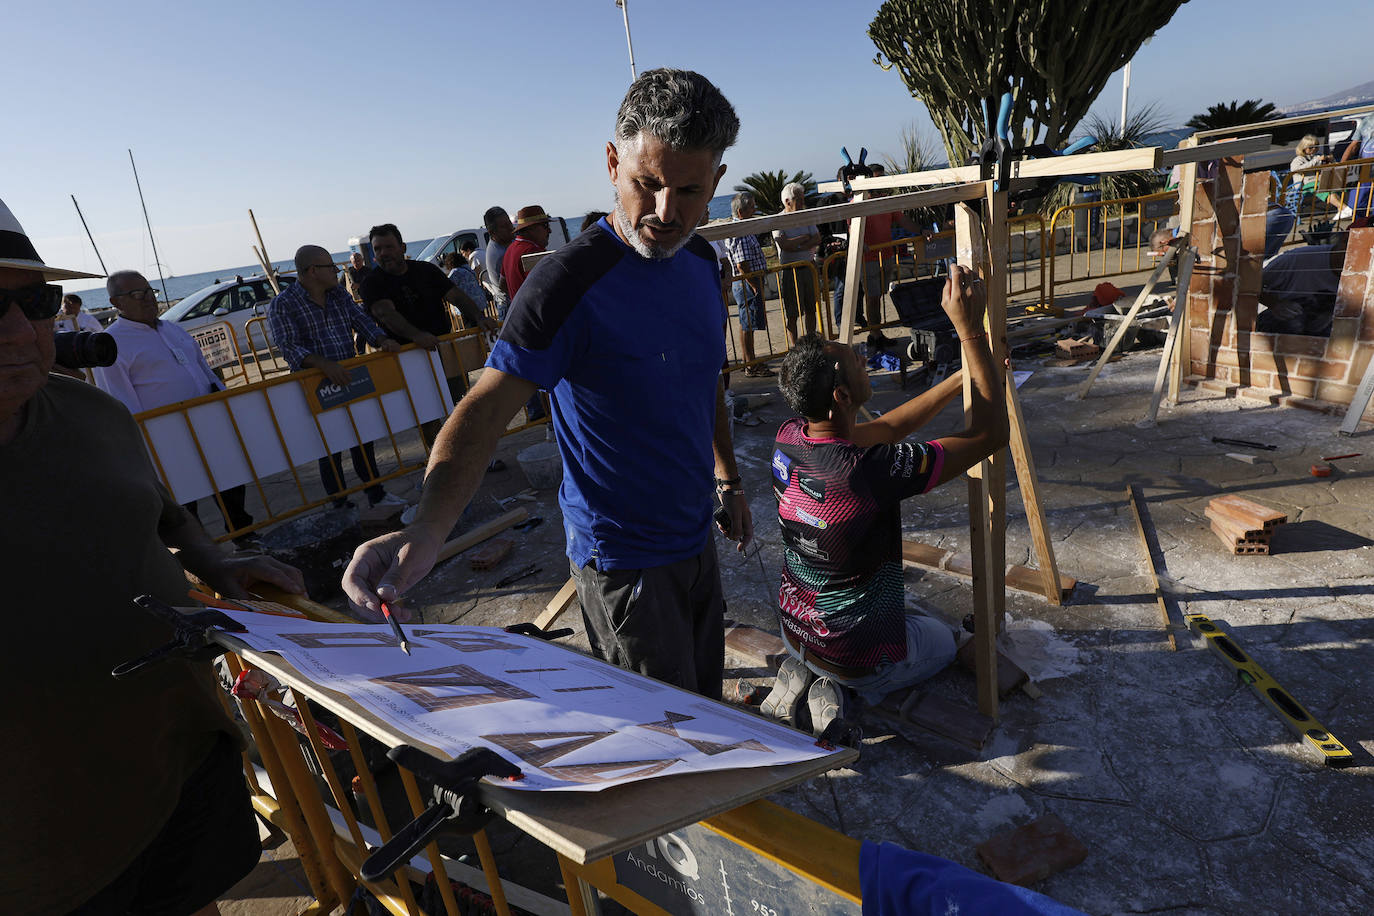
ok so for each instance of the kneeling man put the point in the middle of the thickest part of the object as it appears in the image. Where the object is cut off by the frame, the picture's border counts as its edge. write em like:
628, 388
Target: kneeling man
839, 487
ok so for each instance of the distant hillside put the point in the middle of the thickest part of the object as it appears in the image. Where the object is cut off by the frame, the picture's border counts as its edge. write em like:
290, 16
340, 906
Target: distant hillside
1346, 98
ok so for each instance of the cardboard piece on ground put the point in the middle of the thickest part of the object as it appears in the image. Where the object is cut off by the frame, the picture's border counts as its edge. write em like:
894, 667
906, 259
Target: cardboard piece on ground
1009, 674
375, 520
1032, 852
492, 553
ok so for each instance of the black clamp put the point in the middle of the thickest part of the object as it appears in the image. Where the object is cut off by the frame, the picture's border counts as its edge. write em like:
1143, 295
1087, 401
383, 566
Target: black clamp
190, 635
456, 808
525, 628
851, 169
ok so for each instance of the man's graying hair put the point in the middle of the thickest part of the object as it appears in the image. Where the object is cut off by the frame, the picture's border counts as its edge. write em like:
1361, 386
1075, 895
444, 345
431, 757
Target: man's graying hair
681, 108
741, 202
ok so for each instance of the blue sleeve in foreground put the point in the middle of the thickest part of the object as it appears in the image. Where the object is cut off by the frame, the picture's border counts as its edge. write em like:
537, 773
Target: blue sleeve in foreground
900, 882
542, 367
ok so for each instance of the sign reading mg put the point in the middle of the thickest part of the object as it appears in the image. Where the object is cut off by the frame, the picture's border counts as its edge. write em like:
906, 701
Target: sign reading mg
217, 344
327, 394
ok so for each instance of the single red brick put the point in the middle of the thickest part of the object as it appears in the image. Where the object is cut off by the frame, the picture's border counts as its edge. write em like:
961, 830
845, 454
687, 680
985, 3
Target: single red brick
1357, 251
1335, 392
1342, 340
1350, 295
1032, 852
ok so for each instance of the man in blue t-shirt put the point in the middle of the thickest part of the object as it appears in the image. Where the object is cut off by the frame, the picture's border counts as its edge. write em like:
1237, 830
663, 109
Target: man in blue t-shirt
624, 327
839, 487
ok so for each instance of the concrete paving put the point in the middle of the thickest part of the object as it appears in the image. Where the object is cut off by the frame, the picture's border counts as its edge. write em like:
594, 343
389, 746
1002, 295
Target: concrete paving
1190, 794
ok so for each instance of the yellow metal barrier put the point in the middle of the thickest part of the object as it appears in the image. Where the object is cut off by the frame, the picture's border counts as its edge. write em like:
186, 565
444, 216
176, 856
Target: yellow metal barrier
796, 285
1322, 193
1105, 238
297, 490
275, 364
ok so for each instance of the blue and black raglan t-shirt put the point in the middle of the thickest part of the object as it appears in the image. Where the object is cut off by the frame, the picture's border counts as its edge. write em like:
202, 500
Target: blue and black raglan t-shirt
630, 350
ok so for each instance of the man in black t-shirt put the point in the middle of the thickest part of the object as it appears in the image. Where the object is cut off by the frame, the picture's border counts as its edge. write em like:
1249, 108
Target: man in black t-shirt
411, 298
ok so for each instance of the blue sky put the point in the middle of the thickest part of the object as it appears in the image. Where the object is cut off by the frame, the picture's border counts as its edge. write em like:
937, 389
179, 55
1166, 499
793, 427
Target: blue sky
327, 118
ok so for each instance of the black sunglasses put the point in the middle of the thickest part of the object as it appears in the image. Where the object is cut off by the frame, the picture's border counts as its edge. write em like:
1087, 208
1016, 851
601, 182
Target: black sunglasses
37, 301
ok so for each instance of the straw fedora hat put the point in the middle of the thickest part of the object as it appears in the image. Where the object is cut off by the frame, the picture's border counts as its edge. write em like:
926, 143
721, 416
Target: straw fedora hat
18, 252
530, 216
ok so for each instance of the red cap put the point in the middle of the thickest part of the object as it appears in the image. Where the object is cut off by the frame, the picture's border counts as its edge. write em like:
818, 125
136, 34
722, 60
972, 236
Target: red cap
1106, 293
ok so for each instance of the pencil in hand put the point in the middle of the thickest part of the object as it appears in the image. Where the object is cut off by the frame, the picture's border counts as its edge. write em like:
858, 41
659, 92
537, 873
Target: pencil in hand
396, 628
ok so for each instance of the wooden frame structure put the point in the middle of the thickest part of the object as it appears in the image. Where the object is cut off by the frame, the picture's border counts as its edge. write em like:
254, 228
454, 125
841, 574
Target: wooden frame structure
981, 245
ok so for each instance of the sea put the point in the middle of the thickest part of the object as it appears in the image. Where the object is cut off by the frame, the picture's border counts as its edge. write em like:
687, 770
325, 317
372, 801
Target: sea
179, 287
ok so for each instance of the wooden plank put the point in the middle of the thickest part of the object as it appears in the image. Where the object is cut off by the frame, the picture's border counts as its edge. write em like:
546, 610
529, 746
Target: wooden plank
1028, 481
957, 723
558, 604
1124, 325
758, 647
970, 252
1126, 160
1018, 578
1177, 325
1183, 348
853, 274
1131, 160
1223, 149
312, 609
480, 534
1137, 502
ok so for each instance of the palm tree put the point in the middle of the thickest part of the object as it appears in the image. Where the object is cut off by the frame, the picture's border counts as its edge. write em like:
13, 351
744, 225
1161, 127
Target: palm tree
767, 188
1234, 114
918, 153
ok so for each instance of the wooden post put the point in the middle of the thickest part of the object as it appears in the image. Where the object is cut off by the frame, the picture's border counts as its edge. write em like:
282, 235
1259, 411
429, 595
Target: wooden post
1178, 325
987, 501
1024, 463
853, 273
1187, 189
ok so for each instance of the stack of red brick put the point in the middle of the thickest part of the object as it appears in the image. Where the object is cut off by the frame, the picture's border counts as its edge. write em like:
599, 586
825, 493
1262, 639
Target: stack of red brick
1245, 527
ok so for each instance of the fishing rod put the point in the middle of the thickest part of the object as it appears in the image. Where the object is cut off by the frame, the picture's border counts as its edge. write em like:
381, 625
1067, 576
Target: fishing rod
88, 235
157, 260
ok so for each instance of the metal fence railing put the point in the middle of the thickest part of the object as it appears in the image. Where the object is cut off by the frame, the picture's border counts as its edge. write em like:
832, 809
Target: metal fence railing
1101, 239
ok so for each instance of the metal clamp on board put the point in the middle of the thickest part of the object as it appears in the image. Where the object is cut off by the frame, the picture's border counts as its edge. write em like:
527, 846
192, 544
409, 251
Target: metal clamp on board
190, 635
526, 628
455, 809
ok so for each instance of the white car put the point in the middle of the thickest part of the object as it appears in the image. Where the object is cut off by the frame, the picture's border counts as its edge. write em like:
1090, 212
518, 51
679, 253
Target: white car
232, 301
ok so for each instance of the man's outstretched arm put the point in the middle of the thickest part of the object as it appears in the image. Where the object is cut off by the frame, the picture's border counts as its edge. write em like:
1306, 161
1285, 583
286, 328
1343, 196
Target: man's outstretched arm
900, 422
384, 568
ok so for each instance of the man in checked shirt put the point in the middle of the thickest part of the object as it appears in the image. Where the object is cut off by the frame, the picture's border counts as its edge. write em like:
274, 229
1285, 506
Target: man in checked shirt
312, 323
747, 257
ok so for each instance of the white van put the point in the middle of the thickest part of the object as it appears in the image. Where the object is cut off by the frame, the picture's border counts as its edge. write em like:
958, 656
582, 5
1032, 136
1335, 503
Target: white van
444, 244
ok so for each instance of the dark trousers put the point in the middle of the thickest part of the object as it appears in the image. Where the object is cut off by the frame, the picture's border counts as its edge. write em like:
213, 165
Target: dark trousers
235, 515
364, 465
667, 622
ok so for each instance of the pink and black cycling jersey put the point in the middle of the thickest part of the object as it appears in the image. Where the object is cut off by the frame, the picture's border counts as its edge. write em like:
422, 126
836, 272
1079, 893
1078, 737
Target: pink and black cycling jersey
839, 506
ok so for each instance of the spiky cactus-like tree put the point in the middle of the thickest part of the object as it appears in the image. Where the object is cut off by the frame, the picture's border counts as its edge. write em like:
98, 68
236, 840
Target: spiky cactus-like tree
959, 56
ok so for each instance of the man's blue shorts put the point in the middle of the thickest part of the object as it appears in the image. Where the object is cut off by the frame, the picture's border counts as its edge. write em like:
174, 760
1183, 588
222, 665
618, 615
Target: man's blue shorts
751, 316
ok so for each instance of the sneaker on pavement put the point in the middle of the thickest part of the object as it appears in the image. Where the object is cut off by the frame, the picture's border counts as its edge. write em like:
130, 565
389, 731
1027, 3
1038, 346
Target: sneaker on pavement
390, 499
789, 690
408, 515
827, 702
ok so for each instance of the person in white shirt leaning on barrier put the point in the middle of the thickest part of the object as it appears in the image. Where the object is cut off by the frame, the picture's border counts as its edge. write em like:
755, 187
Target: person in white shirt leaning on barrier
313, 322
840, 486
797, 251
160, 364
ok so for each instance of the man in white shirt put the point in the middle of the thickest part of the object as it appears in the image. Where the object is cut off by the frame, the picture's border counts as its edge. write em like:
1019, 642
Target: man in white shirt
74, 318
160, 364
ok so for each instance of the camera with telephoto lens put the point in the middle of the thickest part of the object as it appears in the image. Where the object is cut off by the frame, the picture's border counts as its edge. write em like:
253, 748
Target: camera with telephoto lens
82, 349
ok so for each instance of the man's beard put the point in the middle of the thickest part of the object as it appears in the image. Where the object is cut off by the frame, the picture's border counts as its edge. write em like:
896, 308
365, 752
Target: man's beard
641, 247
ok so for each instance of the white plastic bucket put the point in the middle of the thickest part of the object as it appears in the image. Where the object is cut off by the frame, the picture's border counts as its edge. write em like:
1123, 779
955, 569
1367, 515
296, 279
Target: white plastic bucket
542, 465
